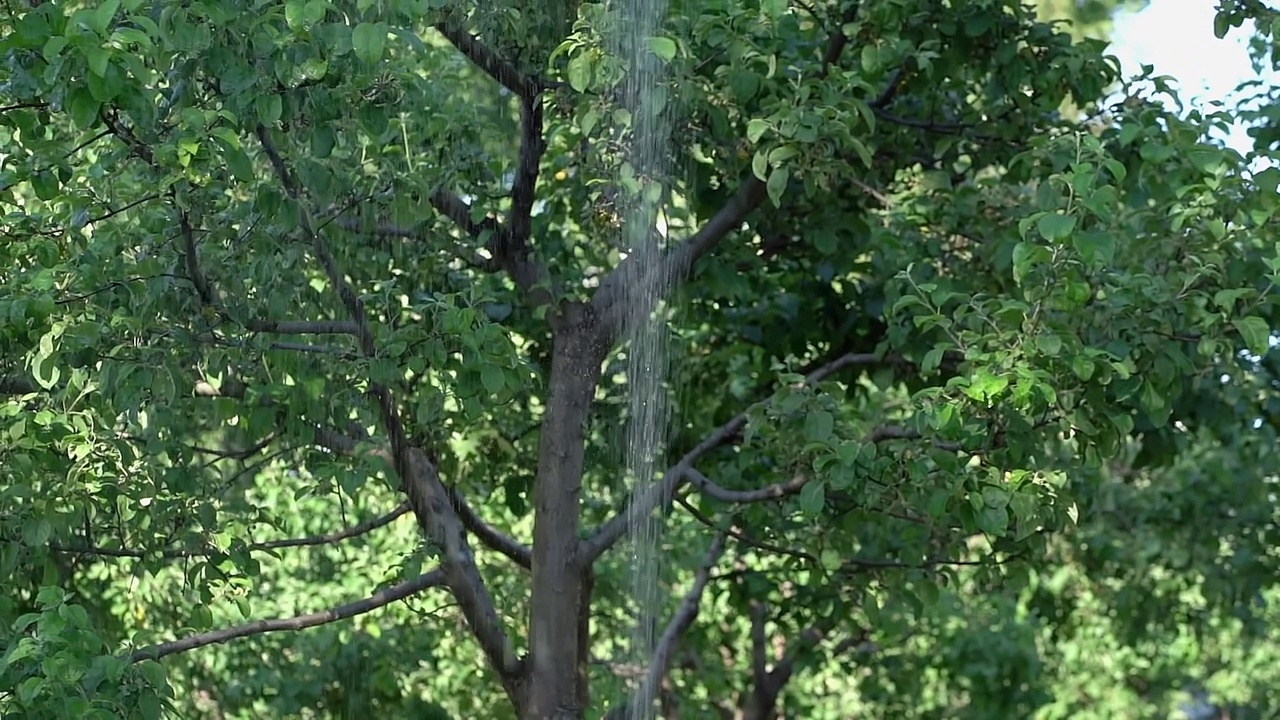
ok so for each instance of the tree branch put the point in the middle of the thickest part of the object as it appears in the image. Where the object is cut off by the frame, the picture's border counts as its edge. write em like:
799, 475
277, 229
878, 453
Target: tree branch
676, 476
684, 616
462, 252
618, 291
363, 528
18, 384
498, 68
488, 535
382, 598
304, 327
759, 646
419, 478
723, 494
524, 187
742, 537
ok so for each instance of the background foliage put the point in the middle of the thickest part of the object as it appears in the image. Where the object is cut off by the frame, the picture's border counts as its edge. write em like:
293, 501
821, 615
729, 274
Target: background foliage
972, 416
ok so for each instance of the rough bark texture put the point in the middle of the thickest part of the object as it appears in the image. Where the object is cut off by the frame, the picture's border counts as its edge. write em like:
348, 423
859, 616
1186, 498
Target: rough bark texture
557, 689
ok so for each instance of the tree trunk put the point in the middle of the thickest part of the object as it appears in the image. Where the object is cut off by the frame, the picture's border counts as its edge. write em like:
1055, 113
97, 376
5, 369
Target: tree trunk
557, 646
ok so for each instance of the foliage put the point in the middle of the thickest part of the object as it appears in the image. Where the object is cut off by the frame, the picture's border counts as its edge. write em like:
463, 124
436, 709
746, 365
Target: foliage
317, 311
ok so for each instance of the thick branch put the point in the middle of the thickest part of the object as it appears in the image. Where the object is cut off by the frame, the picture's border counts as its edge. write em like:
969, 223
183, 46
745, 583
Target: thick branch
677, 475
684, 616
524, 188
723, 494
510, 77
419, 478
16, 384
618, 291
194, 273
508, 245
561, 581
489, 536
382, 598
759, 645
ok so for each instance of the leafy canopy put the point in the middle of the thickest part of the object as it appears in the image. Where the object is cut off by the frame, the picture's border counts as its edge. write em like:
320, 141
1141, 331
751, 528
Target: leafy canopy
314, 309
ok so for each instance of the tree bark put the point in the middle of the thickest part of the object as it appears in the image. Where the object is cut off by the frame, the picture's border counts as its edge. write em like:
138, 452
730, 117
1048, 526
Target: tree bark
556, 644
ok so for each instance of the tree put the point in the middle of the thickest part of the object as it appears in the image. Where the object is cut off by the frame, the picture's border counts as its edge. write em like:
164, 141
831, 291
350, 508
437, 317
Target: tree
278, 269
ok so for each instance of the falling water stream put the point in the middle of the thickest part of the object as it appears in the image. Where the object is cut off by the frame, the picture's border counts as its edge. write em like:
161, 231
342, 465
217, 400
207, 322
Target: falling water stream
644, 95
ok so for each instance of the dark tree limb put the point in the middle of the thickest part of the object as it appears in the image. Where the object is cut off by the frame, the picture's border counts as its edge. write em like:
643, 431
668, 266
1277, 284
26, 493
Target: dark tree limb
663, 652
419, 478
613, 301
382, 598
508, 75
508, 245
488, 535
838, 41
304, 327
524, 188
332, 538
18, 384
203, 290
742, 537
561, 578
776, 491
677, 475
462, 252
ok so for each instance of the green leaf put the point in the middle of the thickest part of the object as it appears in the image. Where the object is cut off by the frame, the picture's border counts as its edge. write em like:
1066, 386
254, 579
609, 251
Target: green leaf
36, 534
269, 108
314, 11
777, 185
782, 153
106, 87
588, 121
870, 58
813, 497
993, 521
45, 185
31, 688
83, 107
663, 47
1153, 402
773, 9
1255, 332
986, 386
1221, 24
100, 17
579, 71
1025, 256
98, 58
1226, 299
369, 40
818, 426
756, 129
760, 165
830, 560
1055, 226
492, 378
862, 151
1098, 248
295, 14
1083, 367
825, 241
1049, 344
